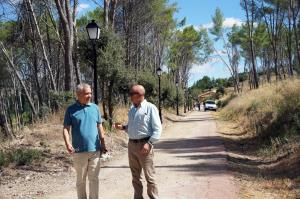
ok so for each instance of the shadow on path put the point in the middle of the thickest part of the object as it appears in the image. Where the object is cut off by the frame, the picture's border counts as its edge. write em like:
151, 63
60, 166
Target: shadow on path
191, 119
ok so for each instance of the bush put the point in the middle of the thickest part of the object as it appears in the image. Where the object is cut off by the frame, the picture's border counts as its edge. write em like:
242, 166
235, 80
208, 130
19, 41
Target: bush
2, 159
25, 156
59, 99
224, 101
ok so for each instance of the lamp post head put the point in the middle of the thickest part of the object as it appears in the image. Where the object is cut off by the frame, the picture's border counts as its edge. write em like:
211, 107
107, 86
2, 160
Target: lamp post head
177, 83
93, 30
159, 71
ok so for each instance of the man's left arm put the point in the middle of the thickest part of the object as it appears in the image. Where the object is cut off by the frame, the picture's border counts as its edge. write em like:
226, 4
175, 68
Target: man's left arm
101, 135
156, 125
101, 131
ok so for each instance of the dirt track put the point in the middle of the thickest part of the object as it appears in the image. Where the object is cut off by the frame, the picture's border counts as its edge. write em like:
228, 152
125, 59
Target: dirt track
190, 164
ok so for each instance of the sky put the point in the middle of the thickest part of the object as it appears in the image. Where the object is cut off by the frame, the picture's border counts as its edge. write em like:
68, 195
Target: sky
199, 13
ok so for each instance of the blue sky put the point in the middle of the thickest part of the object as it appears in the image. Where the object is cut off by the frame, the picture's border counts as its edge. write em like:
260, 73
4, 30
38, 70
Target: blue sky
197, 13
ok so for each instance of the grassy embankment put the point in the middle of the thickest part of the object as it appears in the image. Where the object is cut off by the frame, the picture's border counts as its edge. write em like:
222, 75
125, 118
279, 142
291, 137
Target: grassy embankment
262, 134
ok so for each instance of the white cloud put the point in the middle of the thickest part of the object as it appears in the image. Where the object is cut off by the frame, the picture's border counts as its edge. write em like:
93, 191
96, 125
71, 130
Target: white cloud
201, 69
82, 6
228, 23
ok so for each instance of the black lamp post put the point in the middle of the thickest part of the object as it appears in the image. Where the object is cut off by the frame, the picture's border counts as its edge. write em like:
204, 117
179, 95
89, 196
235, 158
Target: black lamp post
177, 98
159, 73
93, 31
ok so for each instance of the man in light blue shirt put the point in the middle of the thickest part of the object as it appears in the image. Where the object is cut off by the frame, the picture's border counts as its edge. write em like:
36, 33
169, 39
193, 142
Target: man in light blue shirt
144, 129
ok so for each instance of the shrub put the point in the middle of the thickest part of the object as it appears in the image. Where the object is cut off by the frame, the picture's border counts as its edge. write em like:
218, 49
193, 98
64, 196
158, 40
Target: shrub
59, 99
2, 159
25, 156
224, 101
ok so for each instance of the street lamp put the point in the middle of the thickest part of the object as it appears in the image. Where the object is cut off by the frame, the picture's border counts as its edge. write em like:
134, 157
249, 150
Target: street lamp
159, 73
93, 31
177, 97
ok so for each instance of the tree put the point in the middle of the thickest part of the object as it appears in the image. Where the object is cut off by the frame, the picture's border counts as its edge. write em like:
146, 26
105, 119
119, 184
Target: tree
190, 47
250, 30
229, 48
65, 14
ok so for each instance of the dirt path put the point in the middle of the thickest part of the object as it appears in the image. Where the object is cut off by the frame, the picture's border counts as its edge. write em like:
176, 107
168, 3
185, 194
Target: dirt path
190, 163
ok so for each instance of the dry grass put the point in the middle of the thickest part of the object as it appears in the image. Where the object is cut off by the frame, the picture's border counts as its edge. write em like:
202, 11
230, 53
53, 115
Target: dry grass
121, 114
259, 187
256, 110
263, 125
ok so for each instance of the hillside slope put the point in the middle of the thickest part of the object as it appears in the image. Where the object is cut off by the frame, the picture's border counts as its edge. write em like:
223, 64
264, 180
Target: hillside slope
262, 133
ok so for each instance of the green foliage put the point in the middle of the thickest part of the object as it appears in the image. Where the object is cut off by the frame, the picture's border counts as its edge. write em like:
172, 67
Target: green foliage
169, 95
6, 30
149, 81
206, 83
25, 156
20, 157
224, 101
218, 20
58, 100
190, 46
221, 90
2, 159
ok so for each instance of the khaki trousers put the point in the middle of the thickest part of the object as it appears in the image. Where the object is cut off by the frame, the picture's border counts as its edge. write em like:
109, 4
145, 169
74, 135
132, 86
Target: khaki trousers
137, 163
87, 164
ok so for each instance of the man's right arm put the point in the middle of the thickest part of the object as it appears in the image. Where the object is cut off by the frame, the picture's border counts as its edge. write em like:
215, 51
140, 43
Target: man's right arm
66, 134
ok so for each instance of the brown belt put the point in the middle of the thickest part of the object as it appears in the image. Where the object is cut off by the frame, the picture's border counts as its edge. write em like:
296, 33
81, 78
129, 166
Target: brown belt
139, 140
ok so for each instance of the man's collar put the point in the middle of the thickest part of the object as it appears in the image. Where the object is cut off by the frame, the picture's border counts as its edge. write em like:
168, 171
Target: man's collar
144, 102
79, 104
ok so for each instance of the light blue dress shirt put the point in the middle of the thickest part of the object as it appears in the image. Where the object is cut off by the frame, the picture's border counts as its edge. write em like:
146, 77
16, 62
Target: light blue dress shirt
144, 122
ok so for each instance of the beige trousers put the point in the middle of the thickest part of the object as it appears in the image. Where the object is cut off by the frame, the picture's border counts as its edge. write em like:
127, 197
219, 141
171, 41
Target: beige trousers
137, 163
87, 164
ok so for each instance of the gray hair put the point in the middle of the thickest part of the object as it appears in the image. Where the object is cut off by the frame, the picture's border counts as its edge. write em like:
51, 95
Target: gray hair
140, 88
81, 87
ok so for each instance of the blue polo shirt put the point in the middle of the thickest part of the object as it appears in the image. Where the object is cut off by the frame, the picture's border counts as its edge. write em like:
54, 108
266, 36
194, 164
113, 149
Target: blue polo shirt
83, 120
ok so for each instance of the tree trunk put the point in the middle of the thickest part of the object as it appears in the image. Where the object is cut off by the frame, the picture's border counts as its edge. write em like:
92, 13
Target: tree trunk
250, 35
112, 12
4, 125
12, 66
106, 12
30, 10
63, 7
75, 54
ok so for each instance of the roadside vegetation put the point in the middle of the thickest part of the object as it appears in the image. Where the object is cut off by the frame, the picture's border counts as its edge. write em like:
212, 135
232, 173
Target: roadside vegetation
269, 115
261, 130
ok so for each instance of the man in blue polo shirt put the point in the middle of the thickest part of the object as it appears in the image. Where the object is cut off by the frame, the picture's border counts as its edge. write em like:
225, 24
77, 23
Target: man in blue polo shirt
84, 120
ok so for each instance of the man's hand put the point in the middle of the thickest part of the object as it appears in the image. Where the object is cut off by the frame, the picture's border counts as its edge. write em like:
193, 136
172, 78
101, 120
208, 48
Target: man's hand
146, 148
103, 146
118, 126
70, 149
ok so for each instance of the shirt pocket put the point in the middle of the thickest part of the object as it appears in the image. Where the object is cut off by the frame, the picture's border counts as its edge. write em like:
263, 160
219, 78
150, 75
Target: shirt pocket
144, 119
